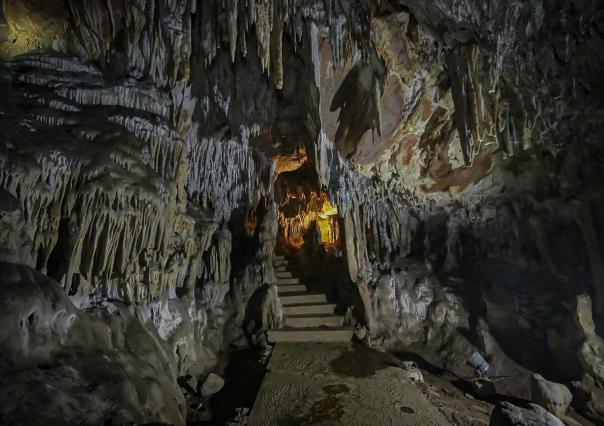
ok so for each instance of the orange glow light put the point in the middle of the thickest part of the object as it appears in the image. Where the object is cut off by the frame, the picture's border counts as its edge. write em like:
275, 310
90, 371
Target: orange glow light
317, 210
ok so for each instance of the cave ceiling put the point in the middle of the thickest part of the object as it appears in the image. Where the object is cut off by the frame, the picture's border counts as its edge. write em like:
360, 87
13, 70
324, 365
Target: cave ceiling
436, 166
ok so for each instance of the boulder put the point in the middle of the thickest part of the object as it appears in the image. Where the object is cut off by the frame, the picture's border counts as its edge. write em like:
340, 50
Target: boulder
264, 311
589, 399
507, 414
213, 384
554, 397
412, 371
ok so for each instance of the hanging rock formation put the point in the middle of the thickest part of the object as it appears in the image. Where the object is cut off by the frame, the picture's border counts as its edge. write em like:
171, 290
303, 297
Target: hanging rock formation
441, 159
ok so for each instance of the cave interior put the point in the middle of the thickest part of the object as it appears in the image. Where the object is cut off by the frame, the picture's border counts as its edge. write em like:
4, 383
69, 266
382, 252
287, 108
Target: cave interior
275, 212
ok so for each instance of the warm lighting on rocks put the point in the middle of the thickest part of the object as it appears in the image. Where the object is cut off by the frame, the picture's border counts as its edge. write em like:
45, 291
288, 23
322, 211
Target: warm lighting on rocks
250, 224
290, 162
32, 25
318, 209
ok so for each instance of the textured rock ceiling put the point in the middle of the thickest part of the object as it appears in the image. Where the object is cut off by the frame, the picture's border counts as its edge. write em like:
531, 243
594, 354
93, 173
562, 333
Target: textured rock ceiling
154, 153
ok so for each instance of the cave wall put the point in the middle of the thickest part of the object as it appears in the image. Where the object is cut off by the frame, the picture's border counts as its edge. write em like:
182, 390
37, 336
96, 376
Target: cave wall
112, 187
458, 155
146, 149
139, 139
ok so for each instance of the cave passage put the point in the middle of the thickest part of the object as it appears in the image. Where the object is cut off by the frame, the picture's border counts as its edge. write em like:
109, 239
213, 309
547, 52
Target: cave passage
351, 212
300, 218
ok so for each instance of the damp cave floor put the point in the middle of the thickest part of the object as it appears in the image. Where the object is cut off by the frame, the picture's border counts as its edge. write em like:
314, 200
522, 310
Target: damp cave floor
338, 384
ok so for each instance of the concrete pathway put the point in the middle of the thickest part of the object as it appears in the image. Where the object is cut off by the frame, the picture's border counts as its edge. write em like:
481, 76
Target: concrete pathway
338, 384
308, 316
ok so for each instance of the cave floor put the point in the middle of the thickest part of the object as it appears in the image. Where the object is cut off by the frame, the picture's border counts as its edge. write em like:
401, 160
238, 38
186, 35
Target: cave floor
338, 383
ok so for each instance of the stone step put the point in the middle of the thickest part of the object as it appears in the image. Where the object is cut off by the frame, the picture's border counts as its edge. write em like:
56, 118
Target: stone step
279, 257
301, 299
314, 321
296, 288
310, 335
280, 268
283, 274
312, 309
280, 263
286, 281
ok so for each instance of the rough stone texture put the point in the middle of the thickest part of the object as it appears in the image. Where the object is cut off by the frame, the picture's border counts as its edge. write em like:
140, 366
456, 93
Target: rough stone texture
591, 352
329, 383
103, 208
103, 189
554, 397
450, 150
80, 367
588, 391
507, 414
150, 149
211, 385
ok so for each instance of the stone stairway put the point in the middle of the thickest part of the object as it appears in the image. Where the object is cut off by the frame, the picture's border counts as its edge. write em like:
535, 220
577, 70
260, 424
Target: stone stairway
308, 317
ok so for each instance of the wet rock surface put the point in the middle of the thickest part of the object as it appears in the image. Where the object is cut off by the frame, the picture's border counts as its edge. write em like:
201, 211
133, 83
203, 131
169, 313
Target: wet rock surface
330, 383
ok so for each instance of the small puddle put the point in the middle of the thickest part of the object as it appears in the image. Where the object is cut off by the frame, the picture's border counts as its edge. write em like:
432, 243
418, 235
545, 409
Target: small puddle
325, 410
403, 408
336, 389
362, 362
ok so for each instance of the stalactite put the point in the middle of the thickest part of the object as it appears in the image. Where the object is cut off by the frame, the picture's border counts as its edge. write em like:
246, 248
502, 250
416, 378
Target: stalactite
271, 22
313, 208
224, 186
103, 206
445, 146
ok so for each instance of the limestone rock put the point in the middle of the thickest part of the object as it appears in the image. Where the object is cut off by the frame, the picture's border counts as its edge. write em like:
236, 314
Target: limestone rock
507, 414
589, 398
361, 333
94, 364
211, 385
554, 397
591, 352
412, 371
264, 310
143, 145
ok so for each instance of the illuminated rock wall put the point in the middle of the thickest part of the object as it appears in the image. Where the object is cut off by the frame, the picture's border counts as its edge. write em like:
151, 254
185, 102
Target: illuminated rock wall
298, 214
448, 150
454, 161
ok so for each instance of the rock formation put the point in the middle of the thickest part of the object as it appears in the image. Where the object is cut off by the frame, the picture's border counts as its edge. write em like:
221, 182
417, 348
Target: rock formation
440, 162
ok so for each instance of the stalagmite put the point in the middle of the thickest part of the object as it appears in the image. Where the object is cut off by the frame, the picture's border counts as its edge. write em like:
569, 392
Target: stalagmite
183, 182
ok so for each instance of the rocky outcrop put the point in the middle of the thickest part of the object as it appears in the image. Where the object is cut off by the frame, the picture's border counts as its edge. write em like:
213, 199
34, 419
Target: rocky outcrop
450, 163
591, 353
508, 414
446, 152
554, 397
99, 365
589, 393
105, 190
